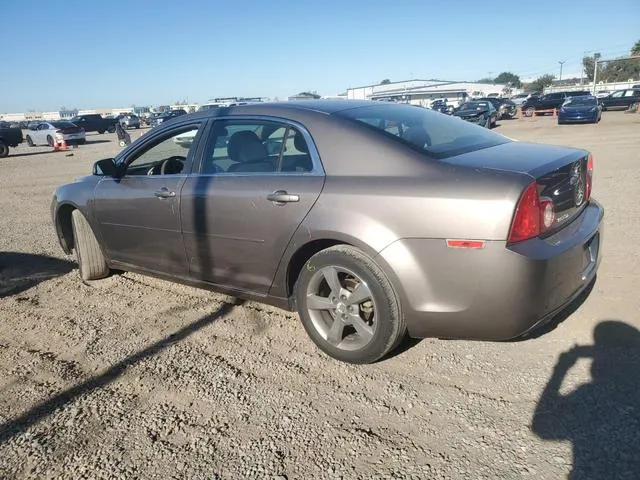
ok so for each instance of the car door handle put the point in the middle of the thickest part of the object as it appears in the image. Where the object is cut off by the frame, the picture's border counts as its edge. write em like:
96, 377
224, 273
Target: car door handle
281, 197
164, 193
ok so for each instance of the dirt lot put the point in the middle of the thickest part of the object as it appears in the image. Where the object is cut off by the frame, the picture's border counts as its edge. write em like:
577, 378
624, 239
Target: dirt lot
132, 377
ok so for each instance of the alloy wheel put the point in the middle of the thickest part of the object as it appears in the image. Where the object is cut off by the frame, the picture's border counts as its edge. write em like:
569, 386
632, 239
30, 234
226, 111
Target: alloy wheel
341, 307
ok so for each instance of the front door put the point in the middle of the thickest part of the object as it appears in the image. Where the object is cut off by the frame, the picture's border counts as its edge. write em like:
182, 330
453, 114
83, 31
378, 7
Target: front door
139, 214
257, 181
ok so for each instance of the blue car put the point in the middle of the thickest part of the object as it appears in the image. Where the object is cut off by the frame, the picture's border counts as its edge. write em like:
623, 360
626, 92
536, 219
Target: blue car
582, 109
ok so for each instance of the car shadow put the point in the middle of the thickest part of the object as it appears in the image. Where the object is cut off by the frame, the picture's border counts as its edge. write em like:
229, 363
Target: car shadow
601, 418
93, 142
21, 271
16, 426
12, 153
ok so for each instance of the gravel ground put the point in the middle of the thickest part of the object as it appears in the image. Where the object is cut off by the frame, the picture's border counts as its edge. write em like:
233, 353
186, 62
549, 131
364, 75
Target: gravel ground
133, 377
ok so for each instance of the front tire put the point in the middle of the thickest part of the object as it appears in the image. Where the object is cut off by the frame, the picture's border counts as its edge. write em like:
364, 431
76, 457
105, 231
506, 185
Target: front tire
529, 112
91, 262
4, 149
348, 306
50, 140
111, 129
30, 141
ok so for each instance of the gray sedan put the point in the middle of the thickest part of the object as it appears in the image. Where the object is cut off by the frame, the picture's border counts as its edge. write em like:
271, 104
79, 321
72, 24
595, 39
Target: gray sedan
373, 220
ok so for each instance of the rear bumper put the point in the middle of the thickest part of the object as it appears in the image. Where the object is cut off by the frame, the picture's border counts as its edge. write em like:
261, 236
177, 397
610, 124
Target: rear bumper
498, 292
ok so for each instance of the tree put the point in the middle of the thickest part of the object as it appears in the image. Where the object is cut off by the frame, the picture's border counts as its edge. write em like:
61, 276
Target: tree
587, 64
386, 81
508, 78
635, 50
541, 82
485, 80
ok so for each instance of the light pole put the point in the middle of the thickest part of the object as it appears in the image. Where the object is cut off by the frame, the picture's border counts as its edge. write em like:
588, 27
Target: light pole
561, 63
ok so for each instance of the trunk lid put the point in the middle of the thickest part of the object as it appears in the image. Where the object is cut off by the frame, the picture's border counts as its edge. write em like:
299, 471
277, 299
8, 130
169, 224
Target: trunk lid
560, 172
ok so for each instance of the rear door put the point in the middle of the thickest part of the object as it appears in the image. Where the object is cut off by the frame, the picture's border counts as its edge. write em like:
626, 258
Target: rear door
139, 214
256, 181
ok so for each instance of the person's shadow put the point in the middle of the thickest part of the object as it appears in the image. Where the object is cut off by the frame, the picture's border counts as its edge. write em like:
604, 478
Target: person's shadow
601, 418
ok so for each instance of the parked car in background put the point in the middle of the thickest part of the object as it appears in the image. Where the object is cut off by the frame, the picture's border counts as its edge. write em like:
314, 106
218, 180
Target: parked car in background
303, 230
481, 113
9, 137
129, 121
583, 109
95, 123
621, 99
168, 115
549, 101
505, 107
48, 133
603, 93
519, 98
441, 105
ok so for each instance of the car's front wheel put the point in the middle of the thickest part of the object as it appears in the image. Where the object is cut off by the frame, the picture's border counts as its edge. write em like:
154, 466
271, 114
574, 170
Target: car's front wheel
111, 129
348, 306
4, 149
529, 111
91, 261
30, 141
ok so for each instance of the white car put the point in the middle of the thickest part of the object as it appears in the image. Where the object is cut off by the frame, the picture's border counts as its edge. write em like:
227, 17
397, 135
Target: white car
48, 133
603, 93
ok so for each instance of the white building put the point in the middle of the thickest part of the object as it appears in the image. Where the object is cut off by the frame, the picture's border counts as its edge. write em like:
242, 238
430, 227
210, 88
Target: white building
423, 92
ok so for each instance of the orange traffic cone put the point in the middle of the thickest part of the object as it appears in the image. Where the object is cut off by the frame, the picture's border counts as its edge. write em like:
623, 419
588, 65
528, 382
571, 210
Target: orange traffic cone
60, 146
533, 116
555, 113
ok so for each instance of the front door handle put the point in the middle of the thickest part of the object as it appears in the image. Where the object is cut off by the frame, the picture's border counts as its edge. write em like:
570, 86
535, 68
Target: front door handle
164, 192
280, 197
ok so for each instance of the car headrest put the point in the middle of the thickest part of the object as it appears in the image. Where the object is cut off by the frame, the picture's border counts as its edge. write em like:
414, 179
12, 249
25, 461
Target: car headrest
245, 146
300, 144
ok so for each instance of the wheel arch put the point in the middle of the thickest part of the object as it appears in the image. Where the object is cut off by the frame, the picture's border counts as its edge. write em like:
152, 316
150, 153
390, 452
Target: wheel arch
64, 227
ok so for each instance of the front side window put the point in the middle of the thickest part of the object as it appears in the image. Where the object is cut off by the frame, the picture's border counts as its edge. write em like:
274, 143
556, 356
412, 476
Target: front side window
439, 136
167, 156
256, 147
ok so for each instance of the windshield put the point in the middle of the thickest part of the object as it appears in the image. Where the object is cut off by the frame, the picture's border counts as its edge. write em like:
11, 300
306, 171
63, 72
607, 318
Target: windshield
439, 136
474, 105
582, 101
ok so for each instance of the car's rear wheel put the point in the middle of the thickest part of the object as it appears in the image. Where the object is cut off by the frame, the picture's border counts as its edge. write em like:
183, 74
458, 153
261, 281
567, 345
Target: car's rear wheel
4, 149
50, 140
348, 306
100, 132
30, 141
529, 111
91, 261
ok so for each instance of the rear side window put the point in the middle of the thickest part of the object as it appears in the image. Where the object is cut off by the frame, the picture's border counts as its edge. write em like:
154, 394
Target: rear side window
438, 135
256, 147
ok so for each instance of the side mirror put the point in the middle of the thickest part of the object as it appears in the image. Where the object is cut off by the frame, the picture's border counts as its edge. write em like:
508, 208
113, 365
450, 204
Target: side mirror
106, 167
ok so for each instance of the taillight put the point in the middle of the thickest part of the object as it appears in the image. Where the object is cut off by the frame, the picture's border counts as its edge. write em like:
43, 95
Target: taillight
533, 216
589, 179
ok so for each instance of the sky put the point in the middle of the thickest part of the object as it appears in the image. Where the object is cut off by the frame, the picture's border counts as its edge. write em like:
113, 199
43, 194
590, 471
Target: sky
118, 53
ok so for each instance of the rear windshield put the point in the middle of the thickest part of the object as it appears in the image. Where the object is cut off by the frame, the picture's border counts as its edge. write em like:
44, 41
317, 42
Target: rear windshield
438, 135
583, 100
63, 124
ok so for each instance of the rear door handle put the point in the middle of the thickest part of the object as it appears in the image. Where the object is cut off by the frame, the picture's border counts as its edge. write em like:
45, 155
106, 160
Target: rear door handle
281, 197
164, 192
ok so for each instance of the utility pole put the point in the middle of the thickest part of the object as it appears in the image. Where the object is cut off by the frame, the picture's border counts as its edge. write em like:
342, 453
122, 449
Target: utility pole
561, 63
596, 56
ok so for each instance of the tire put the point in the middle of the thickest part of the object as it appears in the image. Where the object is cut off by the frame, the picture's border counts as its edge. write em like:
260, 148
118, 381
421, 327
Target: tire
50, 140
4, 149
82, 142
30, 141
100, 132
487, 124
111, 129
373, 336
529, 111
91, 262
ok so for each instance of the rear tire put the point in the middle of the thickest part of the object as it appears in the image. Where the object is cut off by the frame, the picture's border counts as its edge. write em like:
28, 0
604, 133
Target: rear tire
529, 111
91, 262
367, 329
4, 149
30, 142
111, 129
50, 140
100, 132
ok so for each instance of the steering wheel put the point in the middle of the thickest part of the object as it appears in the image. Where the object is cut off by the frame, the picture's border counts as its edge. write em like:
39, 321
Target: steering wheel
171, 165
